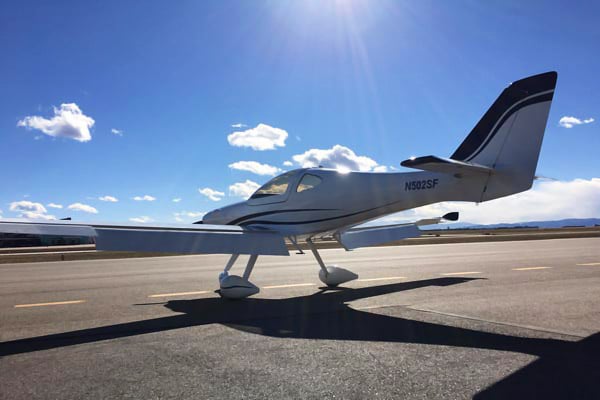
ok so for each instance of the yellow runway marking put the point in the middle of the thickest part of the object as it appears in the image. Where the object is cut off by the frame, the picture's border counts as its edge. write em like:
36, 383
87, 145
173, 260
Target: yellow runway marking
381, 279
530, 268
55, 303
461, 273
589, 264
288, 286
178, 294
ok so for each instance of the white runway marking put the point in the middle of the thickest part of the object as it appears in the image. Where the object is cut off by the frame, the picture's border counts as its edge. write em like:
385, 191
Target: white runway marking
530, 268
179, 294
589, 264
461, 273
54, 303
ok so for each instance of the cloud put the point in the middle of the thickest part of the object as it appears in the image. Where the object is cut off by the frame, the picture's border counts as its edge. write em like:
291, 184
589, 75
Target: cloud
243, 189
548, 200
255, 167
288, 163
262, 137
83, 207
54, 205
176, 200
212, 194
338, 157
117, 132
30, 210
186, 215
68, 122
35, 215
25, 205
141, 220
145, 197
239, 125
569, 122
109, 199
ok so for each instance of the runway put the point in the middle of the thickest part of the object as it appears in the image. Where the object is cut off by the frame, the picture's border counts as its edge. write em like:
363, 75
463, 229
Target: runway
485, 320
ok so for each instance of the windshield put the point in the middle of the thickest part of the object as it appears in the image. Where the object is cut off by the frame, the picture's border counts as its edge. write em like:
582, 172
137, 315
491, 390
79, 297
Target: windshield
274, 187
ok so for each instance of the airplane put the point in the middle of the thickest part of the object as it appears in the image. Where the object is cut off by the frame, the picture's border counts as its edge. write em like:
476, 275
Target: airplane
497, 158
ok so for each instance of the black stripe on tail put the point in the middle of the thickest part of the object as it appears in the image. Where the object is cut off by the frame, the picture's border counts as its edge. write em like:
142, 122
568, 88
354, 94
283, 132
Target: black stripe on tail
536, 89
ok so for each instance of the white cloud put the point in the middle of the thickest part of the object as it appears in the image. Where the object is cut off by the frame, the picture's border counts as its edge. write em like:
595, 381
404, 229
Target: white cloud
548, 200
25, 205
186, 215
243, 189
54, 205
176, 200
109, 199
239, 125
145, 197
262, 137
569, 122
255, 167
68, 122
30, 210
83, 207
141, 220
117, 132
288, 163
35, 215
338, 157
212, 194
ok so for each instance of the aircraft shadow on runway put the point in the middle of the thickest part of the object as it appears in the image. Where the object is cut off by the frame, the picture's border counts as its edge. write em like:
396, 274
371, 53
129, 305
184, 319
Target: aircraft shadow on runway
563, 369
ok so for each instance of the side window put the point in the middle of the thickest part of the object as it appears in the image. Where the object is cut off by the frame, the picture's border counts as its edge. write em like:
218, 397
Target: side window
308, 182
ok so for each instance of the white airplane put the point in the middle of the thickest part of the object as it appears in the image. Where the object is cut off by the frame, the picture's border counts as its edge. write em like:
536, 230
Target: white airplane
498, 158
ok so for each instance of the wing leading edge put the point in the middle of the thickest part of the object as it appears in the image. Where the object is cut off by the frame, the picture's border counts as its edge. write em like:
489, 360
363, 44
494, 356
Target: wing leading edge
181, 239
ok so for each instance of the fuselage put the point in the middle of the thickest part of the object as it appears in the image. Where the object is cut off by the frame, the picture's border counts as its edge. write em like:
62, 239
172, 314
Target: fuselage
341, 200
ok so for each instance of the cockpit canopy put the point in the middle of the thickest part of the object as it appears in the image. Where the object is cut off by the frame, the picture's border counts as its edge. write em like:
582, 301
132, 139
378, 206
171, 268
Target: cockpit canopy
280, 184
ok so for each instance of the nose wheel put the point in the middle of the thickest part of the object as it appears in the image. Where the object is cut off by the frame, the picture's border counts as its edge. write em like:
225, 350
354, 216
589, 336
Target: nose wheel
331, 275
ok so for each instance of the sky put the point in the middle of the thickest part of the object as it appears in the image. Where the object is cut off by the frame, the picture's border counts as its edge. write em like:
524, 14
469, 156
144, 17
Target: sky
161, 111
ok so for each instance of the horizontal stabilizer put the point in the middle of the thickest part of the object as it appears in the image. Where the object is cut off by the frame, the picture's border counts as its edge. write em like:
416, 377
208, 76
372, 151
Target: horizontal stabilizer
180, 239
445, 165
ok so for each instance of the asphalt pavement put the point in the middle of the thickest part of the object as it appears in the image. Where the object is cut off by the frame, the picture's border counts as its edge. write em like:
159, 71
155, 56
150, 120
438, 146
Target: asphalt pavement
516, 319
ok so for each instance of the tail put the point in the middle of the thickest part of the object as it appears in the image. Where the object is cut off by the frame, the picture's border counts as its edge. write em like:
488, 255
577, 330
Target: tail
509, 136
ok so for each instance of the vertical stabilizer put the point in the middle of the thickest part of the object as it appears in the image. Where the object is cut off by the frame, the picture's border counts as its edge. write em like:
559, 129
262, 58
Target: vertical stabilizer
509, 136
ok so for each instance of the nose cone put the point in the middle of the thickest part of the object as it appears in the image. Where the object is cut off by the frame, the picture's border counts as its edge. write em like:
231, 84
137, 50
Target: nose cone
214, 217
225, 215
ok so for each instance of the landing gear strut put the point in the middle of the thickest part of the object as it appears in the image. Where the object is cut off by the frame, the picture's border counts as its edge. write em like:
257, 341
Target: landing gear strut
330, 275
237, 287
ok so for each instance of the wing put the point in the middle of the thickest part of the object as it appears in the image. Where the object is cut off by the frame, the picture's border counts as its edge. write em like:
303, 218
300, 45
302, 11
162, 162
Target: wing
182, 239
374, 235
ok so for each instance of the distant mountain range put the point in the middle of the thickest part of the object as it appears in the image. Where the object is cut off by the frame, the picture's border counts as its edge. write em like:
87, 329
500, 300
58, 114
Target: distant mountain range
539, 224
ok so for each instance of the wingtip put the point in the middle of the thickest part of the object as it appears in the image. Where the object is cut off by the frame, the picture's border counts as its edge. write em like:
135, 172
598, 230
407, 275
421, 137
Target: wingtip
451, 216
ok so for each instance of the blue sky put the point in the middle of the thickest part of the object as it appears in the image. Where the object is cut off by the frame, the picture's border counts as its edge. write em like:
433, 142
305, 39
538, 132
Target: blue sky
385, 79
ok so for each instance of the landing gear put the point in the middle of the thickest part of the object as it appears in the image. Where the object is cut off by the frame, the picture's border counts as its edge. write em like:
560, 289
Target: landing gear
237, 287
331, 275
